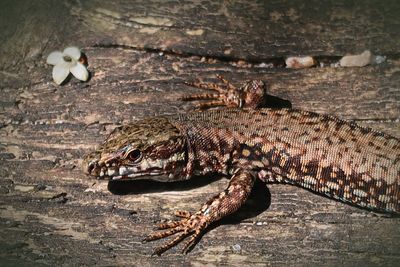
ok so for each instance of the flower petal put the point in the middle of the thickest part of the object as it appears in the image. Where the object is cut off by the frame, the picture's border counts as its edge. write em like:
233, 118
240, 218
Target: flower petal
73, 52
80, 72
60, 72
54, 58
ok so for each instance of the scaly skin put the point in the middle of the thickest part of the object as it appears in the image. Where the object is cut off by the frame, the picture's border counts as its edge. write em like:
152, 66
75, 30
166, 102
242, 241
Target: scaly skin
321, 153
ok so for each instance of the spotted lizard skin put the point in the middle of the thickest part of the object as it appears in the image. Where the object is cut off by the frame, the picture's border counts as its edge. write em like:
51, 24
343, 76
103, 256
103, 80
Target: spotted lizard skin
321, 153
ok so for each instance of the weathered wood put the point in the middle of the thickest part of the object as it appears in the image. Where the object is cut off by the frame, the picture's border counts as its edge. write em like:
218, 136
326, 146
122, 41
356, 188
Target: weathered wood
50, 213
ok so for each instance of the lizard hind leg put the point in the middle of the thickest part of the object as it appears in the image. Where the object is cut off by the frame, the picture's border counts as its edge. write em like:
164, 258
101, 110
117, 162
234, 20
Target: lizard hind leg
194, 225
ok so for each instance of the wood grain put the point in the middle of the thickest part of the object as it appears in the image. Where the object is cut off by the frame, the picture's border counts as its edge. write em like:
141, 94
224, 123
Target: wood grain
140, 53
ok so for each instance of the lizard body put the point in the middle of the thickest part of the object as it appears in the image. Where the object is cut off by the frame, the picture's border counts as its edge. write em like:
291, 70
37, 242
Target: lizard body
321, 153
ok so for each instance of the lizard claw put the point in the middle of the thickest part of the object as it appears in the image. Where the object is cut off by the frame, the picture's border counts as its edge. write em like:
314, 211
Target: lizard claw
189, 225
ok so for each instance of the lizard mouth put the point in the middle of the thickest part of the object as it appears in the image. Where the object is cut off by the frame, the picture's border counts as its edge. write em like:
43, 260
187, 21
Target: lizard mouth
107, 171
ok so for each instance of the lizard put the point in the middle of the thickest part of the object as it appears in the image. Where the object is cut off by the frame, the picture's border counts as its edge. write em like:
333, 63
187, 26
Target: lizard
321, 153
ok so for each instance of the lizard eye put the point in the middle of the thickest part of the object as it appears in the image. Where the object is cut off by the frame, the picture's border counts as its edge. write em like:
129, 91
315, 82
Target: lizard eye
135, 155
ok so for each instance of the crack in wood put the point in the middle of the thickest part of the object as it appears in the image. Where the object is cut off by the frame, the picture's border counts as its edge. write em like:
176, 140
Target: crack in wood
271, 62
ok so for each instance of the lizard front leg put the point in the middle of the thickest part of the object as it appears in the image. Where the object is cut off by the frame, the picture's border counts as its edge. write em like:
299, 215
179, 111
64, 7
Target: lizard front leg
193, 225
250, 95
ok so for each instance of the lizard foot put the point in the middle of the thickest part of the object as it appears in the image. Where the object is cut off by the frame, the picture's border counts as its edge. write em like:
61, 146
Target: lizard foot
189, 225
219, 206
250, 94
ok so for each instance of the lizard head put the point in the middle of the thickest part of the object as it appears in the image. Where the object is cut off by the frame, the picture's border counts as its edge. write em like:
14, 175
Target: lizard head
148, 149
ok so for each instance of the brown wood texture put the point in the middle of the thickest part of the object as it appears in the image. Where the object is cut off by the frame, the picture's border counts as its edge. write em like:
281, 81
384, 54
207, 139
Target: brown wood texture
140, 53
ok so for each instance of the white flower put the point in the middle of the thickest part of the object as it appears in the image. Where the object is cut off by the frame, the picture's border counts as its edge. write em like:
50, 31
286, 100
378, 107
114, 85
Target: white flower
66, 62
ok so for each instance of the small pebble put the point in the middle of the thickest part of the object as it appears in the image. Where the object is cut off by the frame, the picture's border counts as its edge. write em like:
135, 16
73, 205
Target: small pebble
91, 190
379, 59
299, 62
265, 65
360, 60
236, 248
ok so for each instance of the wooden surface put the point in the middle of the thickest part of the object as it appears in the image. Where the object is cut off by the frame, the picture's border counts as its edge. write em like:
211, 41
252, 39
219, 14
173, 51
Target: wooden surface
140, 53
